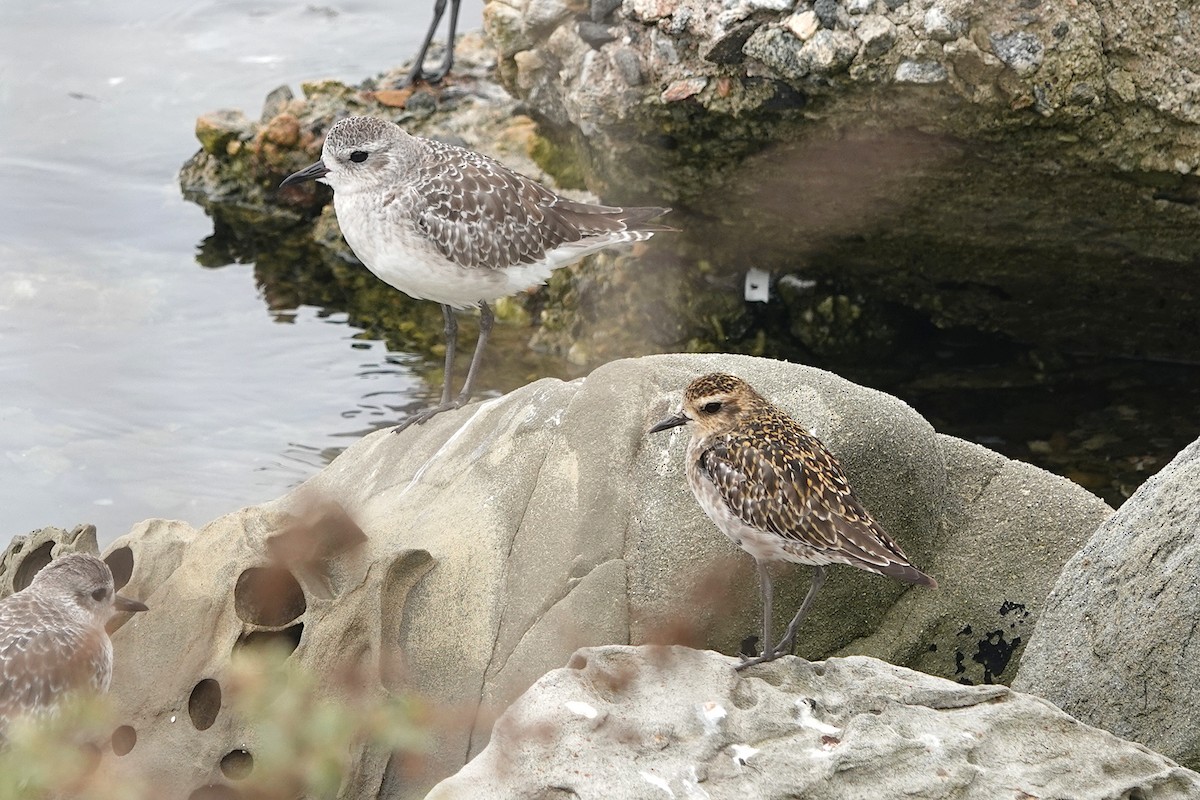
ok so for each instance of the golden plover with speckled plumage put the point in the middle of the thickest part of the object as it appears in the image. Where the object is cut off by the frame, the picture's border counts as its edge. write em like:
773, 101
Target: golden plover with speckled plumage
778, 493
52, 636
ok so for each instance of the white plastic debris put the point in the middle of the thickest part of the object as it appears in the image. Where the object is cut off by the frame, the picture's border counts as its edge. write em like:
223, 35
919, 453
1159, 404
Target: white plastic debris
758, 285
582, 709
807, 720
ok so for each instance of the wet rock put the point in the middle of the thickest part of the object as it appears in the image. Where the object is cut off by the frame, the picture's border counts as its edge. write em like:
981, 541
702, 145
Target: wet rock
283, 130
779, 50
1116, 644
680, 90
652, 722
829, 52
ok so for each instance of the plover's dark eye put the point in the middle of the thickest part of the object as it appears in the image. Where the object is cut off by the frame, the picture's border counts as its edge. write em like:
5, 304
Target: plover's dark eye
99, 594
712, 408
358, 156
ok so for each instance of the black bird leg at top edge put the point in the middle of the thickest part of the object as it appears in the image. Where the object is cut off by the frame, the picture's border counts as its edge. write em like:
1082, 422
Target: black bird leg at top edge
418, 72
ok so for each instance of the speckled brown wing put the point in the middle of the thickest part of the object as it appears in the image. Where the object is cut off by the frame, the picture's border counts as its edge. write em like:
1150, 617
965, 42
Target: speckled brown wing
479, 213
776, 477
43, 656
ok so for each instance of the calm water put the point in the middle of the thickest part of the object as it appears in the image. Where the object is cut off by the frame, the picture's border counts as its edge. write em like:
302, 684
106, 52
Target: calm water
132, 382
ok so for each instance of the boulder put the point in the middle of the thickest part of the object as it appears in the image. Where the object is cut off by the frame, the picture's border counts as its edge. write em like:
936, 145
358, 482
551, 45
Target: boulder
653, 722
463, 559
1011, 167
1116, 643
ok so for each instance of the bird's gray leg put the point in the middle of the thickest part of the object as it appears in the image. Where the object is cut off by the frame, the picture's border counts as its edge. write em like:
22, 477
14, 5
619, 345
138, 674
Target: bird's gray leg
764, 585
418, 69
789, 637
486, 318
788, 642
451, 343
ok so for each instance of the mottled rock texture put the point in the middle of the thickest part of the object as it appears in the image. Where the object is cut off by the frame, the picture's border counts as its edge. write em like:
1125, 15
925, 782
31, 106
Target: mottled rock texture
464, 558
648, 723
1116, 646
1014, 167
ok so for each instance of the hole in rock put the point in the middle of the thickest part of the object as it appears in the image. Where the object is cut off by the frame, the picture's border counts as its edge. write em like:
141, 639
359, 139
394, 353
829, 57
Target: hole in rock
288, 638
237, 764
123, 740
204, 704
215, 791
120, 561
31, 565
269, 596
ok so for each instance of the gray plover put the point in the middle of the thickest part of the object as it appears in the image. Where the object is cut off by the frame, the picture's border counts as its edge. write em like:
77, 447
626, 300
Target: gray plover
52, 636
778, 493
442, 223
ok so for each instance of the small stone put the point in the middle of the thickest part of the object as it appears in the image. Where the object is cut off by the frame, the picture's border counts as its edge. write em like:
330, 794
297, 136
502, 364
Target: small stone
828, 11
770, 5
829, 52
601, 10
941, 26
529, 67
920, 72
650, 10
1021, 51
595, 34
545, 15
628, 65
683, 89
877, 33
778, 50
894, 4
1121, 84
728, 48
276, 102
1082, 94
283, 130
860, 6
217, 128
803, 25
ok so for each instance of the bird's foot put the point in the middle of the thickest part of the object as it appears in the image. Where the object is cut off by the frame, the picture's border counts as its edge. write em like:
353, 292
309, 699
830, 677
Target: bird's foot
429, 413
421, 75
784, 648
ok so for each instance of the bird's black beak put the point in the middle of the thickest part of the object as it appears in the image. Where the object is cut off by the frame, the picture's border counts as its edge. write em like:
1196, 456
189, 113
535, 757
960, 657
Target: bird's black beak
673, 421
122, 603
309, 173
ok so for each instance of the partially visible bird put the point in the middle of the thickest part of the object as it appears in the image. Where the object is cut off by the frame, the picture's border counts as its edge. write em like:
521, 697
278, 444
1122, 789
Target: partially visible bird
418, 72
52, 636
442, 223
778, 493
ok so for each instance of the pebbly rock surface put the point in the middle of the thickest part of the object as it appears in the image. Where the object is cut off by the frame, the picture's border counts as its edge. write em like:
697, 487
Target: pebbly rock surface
1012, 167
653, 722
1116, 645
463, 559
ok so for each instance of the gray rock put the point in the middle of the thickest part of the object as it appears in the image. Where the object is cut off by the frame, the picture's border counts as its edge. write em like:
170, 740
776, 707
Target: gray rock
276, 102
595, 33
941, 25
1021, 51
779, 50
877, 34
829, 52
27, 553
1116, 646
478, 551
628, 65
777, 6
831, 14
860, 6
727, 49
655, 723
600, 10
920, 72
